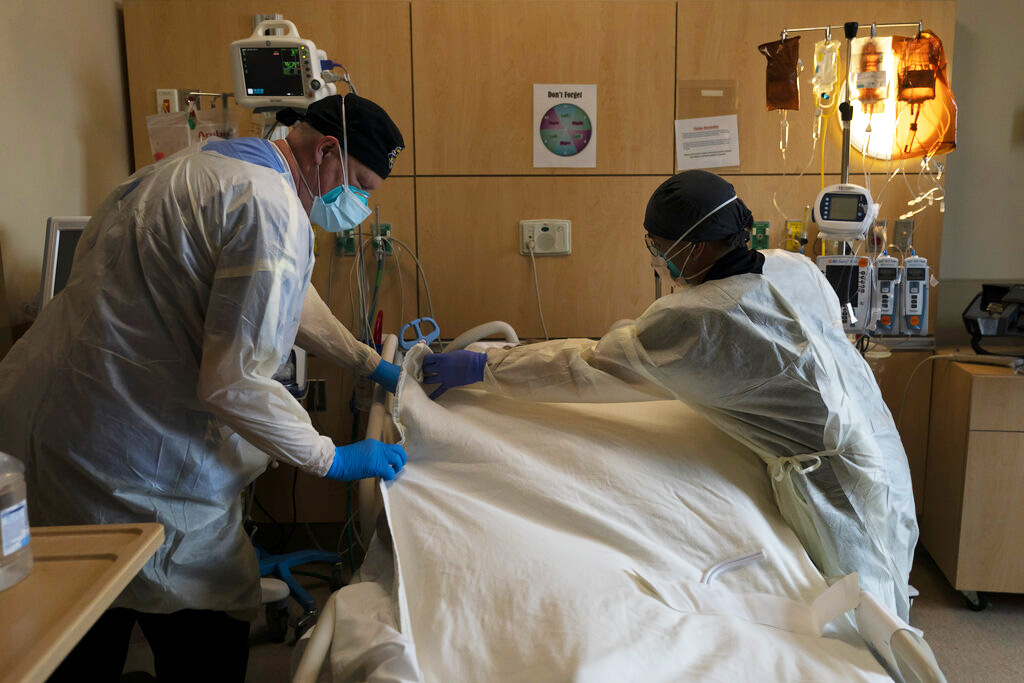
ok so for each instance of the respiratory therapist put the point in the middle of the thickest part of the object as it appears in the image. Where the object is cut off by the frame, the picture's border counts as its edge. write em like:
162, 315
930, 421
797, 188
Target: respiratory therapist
143, 391
754, 342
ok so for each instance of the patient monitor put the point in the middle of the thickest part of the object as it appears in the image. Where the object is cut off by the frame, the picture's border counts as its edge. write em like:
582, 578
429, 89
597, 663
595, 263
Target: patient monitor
277, 71
851, 277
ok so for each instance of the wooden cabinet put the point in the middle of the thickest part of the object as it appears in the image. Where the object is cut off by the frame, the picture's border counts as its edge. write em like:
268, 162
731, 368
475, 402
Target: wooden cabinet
973, 512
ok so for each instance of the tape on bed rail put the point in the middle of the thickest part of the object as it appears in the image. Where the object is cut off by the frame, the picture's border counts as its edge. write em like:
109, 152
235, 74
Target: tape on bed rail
769, 610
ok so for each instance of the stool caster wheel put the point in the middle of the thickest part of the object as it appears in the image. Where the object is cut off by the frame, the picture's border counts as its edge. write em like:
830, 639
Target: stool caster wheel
304, 623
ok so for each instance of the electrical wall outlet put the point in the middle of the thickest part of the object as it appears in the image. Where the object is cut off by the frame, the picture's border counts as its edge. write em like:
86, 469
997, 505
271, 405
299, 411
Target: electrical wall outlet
167, 100
383, 230
550, 237
345, 243
760, 235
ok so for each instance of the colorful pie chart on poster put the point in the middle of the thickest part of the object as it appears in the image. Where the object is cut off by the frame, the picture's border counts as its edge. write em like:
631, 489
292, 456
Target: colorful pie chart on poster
565, 129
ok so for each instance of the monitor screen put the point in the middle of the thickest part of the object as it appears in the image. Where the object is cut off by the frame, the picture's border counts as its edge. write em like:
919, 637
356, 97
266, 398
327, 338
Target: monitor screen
915, 273
273, 71
67, 240
844, 280
62, 235
886, 273
843, 207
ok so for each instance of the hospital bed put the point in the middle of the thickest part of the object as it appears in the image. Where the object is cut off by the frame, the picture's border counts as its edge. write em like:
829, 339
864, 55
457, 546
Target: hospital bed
587, 542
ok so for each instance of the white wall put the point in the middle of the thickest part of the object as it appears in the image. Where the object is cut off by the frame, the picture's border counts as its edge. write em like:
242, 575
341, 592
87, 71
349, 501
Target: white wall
65, 144
983, 231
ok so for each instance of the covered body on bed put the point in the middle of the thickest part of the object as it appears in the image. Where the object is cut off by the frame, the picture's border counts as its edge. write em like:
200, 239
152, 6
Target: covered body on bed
518, 529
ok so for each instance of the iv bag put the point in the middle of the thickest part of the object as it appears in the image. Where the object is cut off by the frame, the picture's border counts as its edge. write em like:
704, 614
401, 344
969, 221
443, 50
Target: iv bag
918, 65
913, 124
925, 107
871, 66
826, 68
782, 88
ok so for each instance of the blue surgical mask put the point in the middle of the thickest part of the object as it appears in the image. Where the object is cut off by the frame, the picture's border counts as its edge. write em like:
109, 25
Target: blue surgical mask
343, 208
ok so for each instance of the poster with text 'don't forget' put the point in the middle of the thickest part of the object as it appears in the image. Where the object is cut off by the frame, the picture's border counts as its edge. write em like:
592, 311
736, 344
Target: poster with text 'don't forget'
564, 126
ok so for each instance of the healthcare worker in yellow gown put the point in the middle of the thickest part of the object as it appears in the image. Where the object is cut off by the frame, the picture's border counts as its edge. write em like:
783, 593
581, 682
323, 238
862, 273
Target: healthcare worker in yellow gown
754, 342
144, 390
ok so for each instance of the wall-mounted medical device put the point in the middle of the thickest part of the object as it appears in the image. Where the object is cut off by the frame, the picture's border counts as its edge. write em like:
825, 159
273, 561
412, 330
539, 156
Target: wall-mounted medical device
851, 278
277, 71
887, 294
844, 212
914, 296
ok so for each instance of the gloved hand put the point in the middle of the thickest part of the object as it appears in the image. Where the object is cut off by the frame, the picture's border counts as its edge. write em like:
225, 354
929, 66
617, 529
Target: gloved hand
453, 369
387, 375
369, 458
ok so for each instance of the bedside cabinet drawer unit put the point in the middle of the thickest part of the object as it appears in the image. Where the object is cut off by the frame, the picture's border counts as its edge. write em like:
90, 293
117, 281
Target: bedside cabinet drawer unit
973, 518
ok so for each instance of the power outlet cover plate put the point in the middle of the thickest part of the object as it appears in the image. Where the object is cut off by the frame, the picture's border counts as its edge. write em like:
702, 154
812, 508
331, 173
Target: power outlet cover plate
551, 237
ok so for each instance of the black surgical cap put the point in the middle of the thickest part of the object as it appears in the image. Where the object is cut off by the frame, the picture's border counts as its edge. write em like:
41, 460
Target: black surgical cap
373, 138
687, 197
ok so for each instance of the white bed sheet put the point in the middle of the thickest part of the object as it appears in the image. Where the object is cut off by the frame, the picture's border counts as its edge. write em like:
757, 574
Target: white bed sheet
516, 526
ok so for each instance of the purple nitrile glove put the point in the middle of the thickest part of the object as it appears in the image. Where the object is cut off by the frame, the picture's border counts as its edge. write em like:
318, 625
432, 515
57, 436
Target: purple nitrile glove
453, 369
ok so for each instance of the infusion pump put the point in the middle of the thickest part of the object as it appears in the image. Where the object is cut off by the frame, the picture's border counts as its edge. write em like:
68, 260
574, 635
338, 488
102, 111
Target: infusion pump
851, 278
914, 295
887, 294
278, 71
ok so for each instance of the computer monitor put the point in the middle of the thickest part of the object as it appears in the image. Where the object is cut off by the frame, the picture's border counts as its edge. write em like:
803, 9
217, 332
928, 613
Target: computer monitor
62, 234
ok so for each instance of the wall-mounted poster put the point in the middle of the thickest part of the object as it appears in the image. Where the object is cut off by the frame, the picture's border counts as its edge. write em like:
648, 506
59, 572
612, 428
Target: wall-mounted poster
565, 126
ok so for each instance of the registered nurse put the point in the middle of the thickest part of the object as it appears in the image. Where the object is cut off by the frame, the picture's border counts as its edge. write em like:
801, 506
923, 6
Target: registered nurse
754, 342
144, 390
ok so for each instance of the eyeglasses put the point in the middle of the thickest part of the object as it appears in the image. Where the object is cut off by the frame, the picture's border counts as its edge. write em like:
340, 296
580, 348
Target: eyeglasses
655, 251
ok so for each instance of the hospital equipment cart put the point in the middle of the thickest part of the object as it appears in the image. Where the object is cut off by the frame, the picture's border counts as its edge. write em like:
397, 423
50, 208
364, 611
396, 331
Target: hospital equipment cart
973, 515
77, 574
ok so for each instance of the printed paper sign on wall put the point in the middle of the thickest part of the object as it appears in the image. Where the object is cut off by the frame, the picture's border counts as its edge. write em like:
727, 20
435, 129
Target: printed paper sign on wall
707, 142
564, 126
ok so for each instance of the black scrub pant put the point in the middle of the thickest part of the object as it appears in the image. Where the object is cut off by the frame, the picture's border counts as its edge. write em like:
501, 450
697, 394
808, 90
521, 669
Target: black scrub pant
190, 645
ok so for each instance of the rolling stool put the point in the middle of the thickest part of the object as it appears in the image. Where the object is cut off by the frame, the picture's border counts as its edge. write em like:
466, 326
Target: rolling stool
278, 585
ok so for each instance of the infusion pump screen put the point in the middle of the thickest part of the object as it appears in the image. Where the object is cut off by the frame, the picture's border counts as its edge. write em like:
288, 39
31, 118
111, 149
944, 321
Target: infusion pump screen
273, 71
915, 273
887, 273
843, 207
844, 280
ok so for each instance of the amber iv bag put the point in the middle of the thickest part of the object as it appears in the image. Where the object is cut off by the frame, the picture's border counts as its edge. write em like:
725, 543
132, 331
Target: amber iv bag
926, 110
782, 88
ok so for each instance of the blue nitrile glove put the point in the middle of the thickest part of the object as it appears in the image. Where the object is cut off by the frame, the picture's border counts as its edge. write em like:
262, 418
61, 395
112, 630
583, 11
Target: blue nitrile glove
386, 375
453, 369
369, 458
